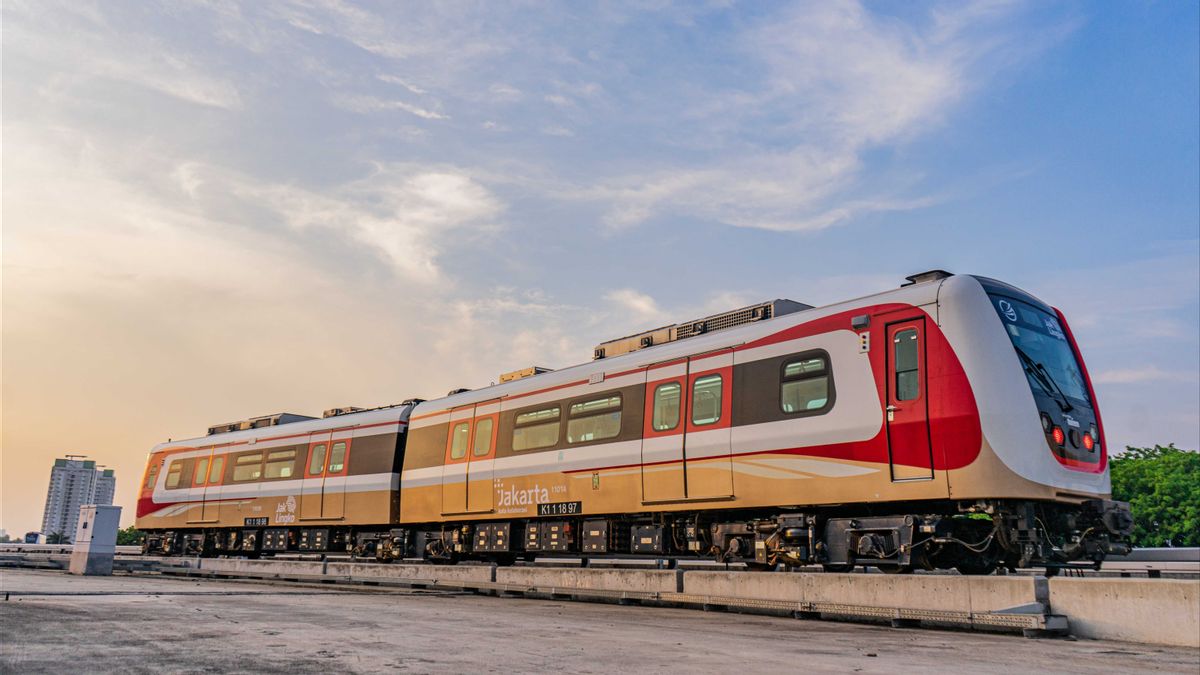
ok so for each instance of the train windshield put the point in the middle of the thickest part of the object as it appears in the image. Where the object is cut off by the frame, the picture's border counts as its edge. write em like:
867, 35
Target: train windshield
1043, 349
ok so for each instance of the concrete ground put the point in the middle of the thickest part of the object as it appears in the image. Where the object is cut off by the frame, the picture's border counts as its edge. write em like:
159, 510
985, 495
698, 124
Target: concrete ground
54, 622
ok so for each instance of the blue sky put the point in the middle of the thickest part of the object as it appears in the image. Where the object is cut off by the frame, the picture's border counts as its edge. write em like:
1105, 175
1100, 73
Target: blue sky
218, 209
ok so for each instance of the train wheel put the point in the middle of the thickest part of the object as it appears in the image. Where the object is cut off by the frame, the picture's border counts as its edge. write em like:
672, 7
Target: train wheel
895, 569
839, 569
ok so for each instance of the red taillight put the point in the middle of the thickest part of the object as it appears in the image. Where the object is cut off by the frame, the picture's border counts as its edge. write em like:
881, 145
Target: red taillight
1089, 442
1058, 435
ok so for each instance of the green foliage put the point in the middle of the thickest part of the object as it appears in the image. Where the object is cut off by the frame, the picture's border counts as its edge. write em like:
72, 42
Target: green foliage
130, 536
1162, 486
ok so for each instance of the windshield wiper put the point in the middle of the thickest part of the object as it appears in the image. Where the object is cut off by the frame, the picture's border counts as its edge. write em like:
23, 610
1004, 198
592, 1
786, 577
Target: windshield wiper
1042, 377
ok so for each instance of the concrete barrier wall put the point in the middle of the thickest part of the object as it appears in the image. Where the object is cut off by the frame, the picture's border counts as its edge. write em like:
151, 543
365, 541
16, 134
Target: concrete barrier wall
1155, 611
431, 573
262, 566
643, 581
928, 592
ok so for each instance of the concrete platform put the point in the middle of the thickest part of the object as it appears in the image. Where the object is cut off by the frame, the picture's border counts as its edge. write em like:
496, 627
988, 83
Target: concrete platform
53, 622
1161, 611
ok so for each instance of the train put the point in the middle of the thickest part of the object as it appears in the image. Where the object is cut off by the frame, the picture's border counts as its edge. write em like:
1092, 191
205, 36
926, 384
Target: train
948, 423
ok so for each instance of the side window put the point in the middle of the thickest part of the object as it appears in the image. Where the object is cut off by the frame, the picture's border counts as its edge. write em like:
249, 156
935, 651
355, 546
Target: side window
483, 438
594, 420
174, 472
666, 406
248, 467
458, 441
316, 463
280, 464
908, 380
201, 471
706, 400
804, 385
151, 475
536, 429
337, 457
218, 468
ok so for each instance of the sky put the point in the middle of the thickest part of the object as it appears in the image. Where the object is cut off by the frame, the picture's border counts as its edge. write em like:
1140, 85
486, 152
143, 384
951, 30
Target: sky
214, 210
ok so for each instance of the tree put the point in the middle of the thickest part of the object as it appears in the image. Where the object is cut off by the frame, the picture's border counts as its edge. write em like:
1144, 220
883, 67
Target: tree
57, 538
1162, 486
130, 536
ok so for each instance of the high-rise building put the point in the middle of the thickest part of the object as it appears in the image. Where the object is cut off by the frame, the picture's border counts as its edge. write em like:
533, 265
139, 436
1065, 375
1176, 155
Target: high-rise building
73, 483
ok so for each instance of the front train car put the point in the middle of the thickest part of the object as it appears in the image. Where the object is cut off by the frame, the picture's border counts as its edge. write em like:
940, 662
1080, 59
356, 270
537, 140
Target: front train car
1042, 473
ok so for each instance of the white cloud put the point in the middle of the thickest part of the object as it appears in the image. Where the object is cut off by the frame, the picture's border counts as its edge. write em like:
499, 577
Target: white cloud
630, 300
373, 104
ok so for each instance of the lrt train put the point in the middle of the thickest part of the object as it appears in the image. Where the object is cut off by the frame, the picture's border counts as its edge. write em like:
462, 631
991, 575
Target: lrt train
949, 423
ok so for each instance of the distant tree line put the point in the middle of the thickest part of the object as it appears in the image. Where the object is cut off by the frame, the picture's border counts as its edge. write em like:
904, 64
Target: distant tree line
1162, 486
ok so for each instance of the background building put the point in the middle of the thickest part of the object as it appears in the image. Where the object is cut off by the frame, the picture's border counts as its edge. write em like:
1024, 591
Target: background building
73, 483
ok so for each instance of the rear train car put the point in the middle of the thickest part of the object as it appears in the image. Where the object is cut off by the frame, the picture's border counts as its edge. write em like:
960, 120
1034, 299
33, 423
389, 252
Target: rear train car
275, 483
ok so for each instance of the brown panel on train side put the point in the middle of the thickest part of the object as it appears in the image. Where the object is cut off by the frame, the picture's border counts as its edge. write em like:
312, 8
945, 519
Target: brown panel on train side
632, 411
426, 446
757, 386
372, 454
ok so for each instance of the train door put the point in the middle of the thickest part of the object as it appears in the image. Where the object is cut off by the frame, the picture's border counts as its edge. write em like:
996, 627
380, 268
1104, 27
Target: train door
470, 455
482, 457
312, 487
457, 457
909, 448
213, 487
662, 432
707, 459
337, 468
199, 488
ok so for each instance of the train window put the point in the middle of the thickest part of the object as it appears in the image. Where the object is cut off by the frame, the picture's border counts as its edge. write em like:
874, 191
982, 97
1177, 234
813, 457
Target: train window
536, 429
201, 471
908, 380
804, 386
706, 400
458, 440
173, 474
280, 464
666, 406
483, 437
151, 475
316, 463
248, 467
594, 420
218, 467
337, 457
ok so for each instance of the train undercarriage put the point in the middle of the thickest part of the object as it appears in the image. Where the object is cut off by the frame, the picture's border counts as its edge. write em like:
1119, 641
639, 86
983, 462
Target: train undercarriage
974, 538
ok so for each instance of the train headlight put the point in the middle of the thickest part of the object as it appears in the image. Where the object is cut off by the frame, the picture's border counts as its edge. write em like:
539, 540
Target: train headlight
1046, 423
1059, 436
1089, 442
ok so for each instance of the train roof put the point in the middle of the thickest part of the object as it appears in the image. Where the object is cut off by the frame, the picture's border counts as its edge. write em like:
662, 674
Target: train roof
922, 289
398, 412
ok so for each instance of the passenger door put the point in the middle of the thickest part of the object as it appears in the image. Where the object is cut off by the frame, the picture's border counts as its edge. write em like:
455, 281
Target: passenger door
686, 430
662, 432
484, 428
708, 462
337, 470
199, 484
907, 403
312, 488
470, 455
210, 512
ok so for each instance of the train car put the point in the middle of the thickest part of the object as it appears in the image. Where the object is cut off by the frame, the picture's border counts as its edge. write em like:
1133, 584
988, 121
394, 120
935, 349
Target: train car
275, 483
947, 423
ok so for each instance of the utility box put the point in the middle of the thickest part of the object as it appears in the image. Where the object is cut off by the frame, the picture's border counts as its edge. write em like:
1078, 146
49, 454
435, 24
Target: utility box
96, 540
